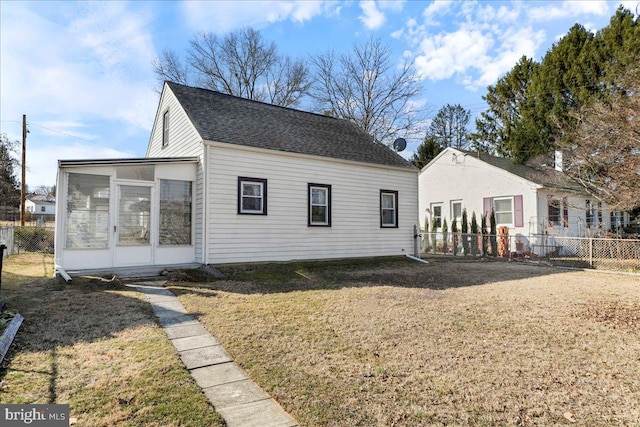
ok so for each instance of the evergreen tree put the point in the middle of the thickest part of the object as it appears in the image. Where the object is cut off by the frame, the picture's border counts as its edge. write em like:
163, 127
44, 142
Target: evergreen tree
434, 235
485, 233
465, 232
445, 235
493, 231
531, 108
9, 186
500, 129
426, 152
454, 235
474, 234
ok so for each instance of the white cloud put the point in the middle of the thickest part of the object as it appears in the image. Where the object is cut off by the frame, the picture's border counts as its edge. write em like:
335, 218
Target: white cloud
516, 42
392, 5
371, 17
445, 54
436, 9
224, 16
397, 34
486, 42
568, 9
94, 66
631, 5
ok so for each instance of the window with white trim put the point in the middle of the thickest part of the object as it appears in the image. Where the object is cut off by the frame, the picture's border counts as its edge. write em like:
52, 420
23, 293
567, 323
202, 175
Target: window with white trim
388, 209
175, 212
553, 211
252, 196
503, 208
456, 212
436, 216
319, 214
165, 128
87, 218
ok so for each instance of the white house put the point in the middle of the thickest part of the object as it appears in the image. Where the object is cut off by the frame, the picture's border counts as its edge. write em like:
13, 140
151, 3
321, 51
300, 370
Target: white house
39, 205
528, 201
229, 180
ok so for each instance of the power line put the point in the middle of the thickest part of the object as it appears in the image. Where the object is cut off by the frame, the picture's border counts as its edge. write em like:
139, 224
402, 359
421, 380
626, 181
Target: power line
60, 132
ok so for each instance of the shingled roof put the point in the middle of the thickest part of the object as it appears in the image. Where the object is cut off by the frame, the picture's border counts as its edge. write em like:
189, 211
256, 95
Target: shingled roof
225, 118
547, 177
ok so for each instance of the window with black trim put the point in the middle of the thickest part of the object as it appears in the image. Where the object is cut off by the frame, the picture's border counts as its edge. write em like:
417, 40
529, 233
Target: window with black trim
252, 196
165, 128
319, 211
388, 209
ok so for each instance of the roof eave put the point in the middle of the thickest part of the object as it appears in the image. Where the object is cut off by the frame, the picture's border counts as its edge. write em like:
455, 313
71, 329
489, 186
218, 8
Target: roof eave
125, 161
408, 168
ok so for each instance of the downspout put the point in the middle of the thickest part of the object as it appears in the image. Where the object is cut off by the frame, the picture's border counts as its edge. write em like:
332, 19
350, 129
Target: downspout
205, 203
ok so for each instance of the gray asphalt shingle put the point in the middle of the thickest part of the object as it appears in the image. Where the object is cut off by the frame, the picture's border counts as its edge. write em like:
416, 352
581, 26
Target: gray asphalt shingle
547, 177
225, 118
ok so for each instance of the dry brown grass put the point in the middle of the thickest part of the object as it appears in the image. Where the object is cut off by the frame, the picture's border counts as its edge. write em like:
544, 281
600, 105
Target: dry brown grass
94, 345
449, 343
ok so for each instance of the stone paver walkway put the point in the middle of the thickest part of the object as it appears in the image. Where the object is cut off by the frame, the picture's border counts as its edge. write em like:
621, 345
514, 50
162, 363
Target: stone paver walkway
234, 396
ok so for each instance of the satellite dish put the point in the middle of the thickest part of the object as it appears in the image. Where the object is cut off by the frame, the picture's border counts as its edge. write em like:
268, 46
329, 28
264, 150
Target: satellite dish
399, 144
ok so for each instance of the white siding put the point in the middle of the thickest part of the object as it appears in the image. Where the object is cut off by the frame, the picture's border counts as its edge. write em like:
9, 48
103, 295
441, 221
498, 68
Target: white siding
469, 179
184, 141
577, 225
283, 234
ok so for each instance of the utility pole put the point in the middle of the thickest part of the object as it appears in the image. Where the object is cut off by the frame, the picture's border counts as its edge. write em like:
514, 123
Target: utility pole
23, 196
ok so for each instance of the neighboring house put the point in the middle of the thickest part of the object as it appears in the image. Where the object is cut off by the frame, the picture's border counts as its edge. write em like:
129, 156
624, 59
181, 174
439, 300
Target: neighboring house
230, 180
40, 206
528, 201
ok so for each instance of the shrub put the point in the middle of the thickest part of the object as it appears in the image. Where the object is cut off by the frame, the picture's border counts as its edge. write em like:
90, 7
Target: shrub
465, 232
474, 234
34, 239
485, 235
454, 236
493, 234
445, 232
434, 229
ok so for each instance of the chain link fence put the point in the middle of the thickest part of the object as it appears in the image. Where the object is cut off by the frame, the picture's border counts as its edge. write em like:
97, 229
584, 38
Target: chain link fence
27, 239
582, 252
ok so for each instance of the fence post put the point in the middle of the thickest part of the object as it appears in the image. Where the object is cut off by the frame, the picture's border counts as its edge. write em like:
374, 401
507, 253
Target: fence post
416, 241
2, 248
590, 251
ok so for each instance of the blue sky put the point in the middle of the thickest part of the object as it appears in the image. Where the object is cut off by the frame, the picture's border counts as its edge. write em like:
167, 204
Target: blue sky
81, 71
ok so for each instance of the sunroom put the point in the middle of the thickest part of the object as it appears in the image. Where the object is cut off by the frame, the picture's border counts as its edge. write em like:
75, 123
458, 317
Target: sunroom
119, 214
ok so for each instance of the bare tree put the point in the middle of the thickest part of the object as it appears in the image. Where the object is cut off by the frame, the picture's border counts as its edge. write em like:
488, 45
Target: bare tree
169, 67
605, 154
42, 190
240, 63
449, 127
368, 88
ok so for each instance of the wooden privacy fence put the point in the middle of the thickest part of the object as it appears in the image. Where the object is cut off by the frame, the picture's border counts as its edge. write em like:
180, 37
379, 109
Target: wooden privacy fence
588, 252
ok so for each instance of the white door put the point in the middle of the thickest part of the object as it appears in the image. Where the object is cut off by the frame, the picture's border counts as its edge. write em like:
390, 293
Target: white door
133, 226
